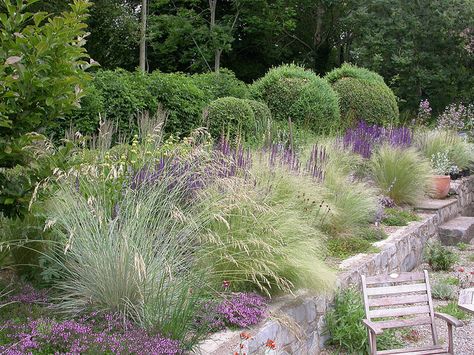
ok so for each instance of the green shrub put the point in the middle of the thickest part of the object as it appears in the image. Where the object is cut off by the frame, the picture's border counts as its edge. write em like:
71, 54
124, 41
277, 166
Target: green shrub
363, 95
317, 108
263, 236
263, 118
453, 310
348, 70
398, 217
221, 84
402, 174
434, 142
342, 247
451, 280
232, 116
462, 246
291, 92
442, 291
344, 325
42, 65
119, 96
183, 100
439, 258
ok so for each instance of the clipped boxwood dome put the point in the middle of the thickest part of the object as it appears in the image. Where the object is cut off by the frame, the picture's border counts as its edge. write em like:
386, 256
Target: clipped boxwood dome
363, 95
317, 107
290, 91
230, 115
221, 84
263, 116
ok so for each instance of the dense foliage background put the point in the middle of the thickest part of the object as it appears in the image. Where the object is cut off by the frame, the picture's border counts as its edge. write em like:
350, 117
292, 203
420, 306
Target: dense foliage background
423, 48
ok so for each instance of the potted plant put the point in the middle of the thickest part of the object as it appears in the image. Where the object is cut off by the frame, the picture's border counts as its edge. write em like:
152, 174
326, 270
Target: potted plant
443, 168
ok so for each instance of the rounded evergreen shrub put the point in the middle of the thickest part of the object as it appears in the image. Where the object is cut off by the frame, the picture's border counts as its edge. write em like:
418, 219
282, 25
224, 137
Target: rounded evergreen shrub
263, 116
292, 92
183, 100
230, 115
221, 84
363, 95
317, 107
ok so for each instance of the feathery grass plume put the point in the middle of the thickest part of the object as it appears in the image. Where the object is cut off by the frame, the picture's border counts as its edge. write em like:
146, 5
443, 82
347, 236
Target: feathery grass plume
137, 258
402, 174
432, 142
264, 233
354, 202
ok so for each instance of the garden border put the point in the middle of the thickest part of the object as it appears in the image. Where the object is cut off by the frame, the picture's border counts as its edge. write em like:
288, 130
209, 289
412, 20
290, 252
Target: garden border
296, 322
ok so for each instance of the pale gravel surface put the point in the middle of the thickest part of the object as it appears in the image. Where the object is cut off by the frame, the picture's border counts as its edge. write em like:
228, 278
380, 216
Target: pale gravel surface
421, 336
463, 336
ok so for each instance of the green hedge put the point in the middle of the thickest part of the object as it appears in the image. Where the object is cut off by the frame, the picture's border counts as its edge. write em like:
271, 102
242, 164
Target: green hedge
183, 100
363, 95
232, 116
221, 84
119, 95
292, 92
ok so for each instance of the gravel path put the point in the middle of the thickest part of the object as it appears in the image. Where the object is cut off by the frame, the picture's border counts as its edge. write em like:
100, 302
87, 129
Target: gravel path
464, 336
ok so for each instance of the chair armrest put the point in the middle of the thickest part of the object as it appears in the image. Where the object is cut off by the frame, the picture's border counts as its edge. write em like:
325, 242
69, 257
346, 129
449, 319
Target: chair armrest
450, 319
373, 327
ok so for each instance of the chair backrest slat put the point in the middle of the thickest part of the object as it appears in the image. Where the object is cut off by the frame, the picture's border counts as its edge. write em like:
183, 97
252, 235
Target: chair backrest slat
392, 290
402, 277
398, 312
401, 323
398, 300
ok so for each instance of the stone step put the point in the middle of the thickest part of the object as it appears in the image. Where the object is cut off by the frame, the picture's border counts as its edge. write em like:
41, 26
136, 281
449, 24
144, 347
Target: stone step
432, 205
457, 230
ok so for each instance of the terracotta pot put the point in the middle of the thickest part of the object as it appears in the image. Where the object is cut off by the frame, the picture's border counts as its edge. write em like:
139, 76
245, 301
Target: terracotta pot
441, 185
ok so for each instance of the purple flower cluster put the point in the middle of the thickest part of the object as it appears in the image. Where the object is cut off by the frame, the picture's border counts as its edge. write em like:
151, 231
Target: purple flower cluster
316, 161
196, 170
29, 295
424, 112
279, 155
456, 117
364, 138
93, 334
243, 309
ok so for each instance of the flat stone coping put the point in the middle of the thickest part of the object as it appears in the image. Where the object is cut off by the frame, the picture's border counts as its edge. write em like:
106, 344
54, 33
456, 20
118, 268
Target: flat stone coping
434, 205
461, 223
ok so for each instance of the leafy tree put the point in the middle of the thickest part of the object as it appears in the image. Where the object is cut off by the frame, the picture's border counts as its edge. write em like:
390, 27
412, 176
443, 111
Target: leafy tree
420, 47
190, 35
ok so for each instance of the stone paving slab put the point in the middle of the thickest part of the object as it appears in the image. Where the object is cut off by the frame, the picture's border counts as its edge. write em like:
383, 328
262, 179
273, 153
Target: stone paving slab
434, 205
457, 230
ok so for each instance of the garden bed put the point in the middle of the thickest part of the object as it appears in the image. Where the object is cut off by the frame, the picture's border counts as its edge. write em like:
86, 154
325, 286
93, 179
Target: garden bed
296, 323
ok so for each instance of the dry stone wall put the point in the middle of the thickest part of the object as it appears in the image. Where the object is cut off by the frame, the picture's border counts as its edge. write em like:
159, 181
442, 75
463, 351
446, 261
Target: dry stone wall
296, 322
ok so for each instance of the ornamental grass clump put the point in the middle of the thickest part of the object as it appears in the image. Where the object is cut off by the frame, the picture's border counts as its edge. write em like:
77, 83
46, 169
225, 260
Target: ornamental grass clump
265, 232
401, 173
135, 257
354, 203
439, 141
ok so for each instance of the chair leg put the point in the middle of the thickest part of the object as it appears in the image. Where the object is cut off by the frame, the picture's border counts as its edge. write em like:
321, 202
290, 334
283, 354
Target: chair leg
450, 339
372, 343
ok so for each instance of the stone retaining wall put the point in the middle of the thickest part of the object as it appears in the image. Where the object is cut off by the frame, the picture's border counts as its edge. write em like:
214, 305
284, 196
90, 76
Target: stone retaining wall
296, 323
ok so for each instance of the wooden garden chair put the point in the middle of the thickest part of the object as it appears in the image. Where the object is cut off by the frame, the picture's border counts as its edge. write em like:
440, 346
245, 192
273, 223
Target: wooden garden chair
403, 300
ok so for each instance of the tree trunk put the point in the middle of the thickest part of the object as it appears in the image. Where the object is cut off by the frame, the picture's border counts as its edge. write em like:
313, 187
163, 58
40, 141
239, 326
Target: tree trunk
143, 36
217, 51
